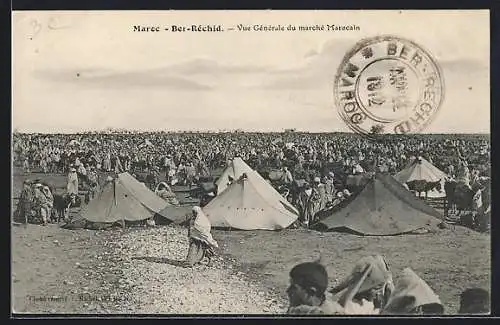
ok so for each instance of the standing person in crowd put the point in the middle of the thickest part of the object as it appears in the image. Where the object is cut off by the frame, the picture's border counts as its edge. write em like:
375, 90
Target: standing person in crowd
44, 165
356, 168
330, 188
450, 170
106, 164
82, 171
201, 242
54, 166
42, 204
93, 182
49, 201
171, 170
181, 173
78, 163
314, 203
26, 165
322, 194
204, 171
287, 176
463, 173
118, 165
25, 202
166, 166
72, 185
190, 174
303, 203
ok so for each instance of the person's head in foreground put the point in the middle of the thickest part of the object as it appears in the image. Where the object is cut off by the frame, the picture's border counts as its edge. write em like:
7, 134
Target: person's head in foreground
27, 183
370, 283
413, 296
306, 293
474, 301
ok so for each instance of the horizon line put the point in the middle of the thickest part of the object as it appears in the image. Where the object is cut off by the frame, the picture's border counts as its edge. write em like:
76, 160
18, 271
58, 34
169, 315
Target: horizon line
285, 130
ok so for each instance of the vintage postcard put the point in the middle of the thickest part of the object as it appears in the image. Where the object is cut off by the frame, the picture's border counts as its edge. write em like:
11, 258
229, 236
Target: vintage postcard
251, 162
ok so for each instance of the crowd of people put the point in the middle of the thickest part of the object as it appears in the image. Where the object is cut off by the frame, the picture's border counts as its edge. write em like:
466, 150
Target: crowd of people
309, 169
199, 154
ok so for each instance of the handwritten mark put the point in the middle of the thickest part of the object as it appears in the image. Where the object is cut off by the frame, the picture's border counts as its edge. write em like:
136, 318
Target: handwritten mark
36, 26
52, 24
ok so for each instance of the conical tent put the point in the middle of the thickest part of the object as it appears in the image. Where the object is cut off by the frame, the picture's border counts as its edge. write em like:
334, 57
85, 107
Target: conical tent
420, 169
383, 207
123, 199
250, 203
235, 169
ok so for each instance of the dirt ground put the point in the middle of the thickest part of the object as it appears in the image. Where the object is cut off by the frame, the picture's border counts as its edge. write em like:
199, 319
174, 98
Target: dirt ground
449, 261
86, 271
61, 271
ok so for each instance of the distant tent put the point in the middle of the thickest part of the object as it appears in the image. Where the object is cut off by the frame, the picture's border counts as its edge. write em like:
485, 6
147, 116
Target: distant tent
420, 169
124, 199
383, 207
250, 203
234, 171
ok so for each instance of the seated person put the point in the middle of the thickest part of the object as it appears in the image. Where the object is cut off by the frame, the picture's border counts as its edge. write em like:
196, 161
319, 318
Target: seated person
164, 191
368, 287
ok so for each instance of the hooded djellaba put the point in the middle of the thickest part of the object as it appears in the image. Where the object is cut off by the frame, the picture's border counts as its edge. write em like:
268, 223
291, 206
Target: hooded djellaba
367, 289
165, 192
201, 243
412, 296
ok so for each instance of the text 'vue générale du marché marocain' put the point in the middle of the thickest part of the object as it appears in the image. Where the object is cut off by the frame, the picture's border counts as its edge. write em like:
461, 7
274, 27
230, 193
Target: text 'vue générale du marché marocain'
246, 28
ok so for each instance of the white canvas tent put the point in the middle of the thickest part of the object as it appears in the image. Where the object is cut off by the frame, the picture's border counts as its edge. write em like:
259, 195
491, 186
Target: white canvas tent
250, 203
234, 171
421, 169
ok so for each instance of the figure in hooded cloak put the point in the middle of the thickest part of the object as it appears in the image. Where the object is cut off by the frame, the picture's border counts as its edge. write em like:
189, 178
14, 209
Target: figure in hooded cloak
412, 296
201, 243
367, 289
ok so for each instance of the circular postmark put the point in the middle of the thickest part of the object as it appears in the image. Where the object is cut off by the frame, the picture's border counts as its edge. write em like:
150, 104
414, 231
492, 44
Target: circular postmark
388, 84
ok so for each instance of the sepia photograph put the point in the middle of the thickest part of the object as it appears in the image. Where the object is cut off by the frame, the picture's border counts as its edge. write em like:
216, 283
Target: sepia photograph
267, 162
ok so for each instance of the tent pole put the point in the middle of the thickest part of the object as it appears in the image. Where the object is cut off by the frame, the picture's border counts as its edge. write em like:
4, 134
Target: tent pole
116, 203
445, 207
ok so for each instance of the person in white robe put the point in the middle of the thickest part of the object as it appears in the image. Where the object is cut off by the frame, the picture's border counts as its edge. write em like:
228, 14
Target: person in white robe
412, 296
201, 242
72, 185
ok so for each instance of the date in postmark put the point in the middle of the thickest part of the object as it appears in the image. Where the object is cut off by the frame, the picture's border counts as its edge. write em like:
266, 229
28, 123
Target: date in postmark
388, 84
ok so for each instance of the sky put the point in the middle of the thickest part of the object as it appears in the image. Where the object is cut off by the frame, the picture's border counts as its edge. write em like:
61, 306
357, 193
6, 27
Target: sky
78, 71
